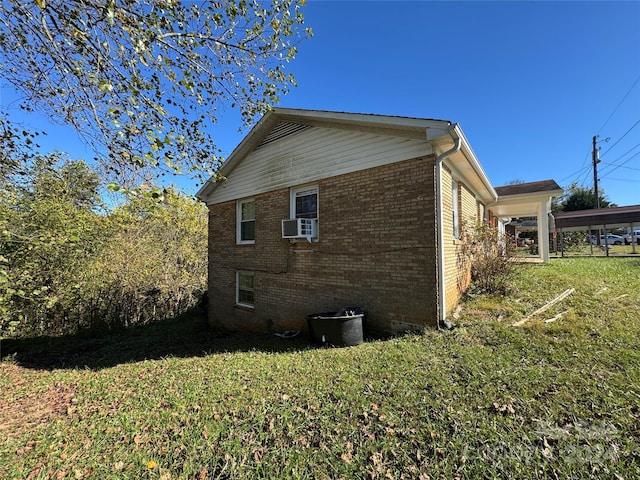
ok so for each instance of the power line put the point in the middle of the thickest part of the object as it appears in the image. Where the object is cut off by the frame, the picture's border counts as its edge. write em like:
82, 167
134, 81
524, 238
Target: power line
630, 180
575, 173
618, 141
618, 166
584, 170
618, 106
612, 163
585, 177
621, 166
585, 165
586, 158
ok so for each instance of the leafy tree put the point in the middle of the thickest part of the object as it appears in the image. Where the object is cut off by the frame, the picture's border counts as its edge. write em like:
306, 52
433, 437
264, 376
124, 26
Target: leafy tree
143, 80
49, 225
154, 265
17, 148
579, 198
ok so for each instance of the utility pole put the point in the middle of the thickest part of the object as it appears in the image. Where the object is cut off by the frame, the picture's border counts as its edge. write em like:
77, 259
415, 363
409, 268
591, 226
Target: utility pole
596, 161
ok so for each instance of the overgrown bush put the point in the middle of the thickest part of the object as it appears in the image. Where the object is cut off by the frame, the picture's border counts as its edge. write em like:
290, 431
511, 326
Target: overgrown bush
155, 264
67, 263
490, 257
573, 241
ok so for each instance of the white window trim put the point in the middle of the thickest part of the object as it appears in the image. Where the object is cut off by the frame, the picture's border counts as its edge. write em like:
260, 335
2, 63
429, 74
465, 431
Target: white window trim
239, 204
238, 302
292, 199
292, 205
455, 208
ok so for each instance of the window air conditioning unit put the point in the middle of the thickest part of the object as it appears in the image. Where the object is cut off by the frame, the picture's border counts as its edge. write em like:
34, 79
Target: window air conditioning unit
299, 228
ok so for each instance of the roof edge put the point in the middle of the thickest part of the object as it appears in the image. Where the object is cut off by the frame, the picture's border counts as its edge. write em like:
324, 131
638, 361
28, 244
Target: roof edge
469, 155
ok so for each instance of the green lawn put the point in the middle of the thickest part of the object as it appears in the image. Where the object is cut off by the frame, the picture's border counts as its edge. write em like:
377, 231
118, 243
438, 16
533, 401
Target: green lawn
485, 400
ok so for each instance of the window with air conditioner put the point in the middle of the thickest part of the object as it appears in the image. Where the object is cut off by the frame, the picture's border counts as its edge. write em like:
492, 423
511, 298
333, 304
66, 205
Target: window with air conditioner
303, 220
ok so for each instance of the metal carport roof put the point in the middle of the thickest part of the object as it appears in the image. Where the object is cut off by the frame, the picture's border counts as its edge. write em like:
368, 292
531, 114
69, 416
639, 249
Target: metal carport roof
598, 217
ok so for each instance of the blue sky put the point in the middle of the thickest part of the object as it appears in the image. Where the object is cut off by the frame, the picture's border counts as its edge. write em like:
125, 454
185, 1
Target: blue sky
530, 83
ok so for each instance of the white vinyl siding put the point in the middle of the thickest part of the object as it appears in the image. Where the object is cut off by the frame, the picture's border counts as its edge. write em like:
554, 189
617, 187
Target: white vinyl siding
312, 155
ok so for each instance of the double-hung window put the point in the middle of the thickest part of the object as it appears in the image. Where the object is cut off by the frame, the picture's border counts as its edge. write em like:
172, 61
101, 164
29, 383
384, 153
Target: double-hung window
305, 203
304, 208
246, 221
244, 289
455, 209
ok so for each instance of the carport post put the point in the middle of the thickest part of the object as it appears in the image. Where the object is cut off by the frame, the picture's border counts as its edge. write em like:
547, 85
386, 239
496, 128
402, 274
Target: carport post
606, 240
590, 241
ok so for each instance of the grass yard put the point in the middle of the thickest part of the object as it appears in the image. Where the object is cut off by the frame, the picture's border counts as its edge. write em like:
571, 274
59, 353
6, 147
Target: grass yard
586, 250
485, 400
596, 250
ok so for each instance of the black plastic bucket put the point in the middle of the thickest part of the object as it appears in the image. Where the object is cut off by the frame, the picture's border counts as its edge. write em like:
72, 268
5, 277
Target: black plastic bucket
340, 329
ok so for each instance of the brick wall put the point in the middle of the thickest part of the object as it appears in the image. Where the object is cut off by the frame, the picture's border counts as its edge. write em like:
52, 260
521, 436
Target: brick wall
457, 274
376, 249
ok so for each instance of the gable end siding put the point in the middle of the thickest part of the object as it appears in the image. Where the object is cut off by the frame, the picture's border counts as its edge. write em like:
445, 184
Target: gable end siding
311, 155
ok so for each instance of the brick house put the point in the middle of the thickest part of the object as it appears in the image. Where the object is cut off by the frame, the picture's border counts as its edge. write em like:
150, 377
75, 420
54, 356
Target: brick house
321, 210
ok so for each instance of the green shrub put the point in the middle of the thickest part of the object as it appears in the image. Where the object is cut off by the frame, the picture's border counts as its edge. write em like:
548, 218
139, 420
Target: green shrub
67, 263
490, 257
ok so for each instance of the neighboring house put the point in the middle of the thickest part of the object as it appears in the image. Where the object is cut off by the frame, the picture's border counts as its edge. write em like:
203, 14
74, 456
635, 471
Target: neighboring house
321, 210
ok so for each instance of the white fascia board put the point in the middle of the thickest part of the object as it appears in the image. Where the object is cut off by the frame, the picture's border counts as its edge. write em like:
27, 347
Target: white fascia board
363, 119
523, 197
247, 144
523, 204
466, 164
475, 164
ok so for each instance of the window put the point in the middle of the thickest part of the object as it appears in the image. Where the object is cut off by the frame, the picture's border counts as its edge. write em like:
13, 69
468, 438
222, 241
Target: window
246, 222
455, 209
304, 203
244, 289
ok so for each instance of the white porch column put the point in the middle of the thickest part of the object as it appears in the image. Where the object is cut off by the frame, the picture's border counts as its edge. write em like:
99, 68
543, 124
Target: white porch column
543, 231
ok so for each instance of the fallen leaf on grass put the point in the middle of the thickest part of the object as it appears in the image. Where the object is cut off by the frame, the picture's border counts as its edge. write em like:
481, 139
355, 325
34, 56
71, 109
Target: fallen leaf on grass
508, 408
202, 474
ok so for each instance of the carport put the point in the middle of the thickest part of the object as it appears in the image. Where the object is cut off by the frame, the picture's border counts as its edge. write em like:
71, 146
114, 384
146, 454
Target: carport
597, 218
531, 199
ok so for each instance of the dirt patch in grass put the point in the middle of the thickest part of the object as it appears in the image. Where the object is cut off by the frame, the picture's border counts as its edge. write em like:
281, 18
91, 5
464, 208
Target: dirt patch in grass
24, 407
